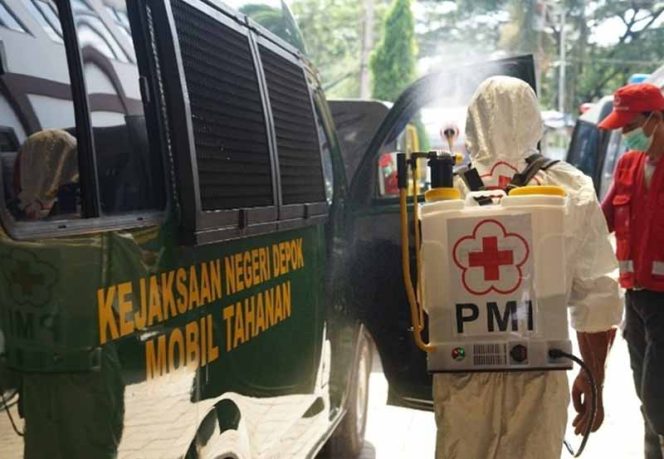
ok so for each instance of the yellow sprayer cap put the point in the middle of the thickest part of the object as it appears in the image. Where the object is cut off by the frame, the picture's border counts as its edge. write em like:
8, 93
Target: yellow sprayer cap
442, 194
548, 190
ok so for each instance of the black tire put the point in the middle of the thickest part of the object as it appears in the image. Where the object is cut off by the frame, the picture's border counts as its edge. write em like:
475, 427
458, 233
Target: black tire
348, 440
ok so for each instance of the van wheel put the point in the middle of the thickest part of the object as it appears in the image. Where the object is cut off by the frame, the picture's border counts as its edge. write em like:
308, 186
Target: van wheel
348, 440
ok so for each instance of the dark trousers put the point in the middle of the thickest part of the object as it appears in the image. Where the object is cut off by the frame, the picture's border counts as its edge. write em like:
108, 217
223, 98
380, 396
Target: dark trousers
644, 333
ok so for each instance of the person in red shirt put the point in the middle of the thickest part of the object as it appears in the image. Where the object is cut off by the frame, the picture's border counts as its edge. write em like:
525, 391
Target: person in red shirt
634, 209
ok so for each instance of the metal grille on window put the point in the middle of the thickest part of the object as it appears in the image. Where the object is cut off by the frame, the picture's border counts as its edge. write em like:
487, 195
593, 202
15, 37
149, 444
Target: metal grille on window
226, 109
297, 143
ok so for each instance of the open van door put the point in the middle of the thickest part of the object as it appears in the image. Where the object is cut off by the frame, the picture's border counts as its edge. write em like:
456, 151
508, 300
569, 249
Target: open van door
376, 289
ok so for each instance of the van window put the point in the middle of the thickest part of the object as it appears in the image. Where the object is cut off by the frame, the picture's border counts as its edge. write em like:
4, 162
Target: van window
45, 13
81, 6
41, 177
584, 147
93, 32
356, 123
121, 20
129, 174
7, 19
615, 149
230, 135
8, 140
421, 132
300, 166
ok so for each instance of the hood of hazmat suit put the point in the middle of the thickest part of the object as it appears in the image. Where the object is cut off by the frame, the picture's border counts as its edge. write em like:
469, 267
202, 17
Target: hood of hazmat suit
47, 160
524, 414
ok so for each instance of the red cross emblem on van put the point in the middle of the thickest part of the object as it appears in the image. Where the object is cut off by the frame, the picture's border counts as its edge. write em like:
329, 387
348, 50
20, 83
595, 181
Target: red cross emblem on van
491, 258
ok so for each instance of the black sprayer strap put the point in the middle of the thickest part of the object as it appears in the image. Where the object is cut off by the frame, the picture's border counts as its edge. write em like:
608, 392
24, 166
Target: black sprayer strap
536, 163
474, 182
472, 179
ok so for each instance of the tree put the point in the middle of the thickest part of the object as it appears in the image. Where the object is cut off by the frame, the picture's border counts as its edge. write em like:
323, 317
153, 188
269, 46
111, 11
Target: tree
638, 48
482, 29
333, 31
451, 33
332, 43
393, 61
367, 47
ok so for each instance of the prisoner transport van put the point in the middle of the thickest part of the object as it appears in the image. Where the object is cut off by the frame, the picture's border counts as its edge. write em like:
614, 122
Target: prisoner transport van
177, 293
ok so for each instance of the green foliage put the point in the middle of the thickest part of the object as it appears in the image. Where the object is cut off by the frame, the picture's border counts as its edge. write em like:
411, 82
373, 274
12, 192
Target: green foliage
639, 50
393, 62
452, 33
331, 32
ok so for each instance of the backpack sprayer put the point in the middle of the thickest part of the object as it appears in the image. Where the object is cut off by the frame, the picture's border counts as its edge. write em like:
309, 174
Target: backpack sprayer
490, 273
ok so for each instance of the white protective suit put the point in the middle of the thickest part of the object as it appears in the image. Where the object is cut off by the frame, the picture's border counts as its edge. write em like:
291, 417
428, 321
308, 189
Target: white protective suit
524, 414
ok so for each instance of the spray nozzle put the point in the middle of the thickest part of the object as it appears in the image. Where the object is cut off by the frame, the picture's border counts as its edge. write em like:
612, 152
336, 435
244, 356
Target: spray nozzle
450, 132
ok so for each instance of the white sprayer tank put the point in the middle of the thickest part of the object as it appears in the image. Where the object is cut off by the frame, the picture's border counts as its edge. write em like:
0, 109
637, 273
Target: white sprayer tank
494, 283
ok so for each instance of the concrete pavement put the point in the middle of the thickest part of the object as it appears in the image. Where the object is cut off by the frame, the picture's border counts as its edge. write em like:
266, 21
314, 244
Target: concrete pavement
400, 433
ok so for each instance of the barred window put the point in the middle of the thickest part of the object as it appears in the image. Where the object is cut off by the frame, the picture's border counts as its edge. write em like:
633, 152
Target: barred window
300, 166
228, 120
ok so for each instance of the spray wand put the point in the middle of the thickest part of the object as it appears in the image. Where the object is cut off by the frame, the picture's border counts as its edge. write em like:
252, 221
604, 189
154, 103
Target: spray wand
442, 179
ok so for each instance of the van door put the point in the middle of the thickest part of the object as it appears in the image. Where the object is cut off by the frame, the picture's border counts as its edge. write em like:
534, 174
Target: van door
430, 105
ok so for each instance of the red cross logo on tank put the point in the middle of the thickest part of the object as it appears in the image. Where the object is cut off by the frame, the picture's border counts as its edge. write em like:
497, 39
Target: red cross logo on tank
491, 275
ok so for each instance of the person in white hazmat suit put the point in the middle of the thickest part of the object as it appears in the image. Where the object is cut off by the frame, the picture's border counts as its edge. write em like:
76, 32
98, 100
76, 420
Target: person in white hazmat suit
511, 415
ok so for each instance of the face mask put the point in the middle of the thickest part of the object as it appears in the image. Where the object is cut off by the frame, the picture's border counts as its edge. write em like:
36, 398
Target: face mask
637, 139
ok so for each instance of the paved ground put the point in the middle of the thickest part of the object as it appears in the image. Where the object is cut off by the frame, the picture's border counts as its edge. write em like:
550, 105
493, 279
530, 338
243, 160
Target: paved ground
396, 433
399, 433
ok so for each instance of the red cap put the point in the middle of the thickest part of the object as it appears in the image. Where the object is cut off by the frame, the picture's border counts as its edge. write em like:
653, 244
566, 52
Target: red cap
630, 101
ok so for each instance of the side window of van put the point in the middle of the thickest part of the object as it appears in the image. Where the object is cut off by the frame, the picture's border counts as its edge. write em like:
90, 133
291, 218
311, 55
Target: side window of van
255, 160
46, 14
421, 131
40, 161
129, 172
230, 135
300, 167
8, 20
615, 149
43, 107
415, 136
584, 147
93, 32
